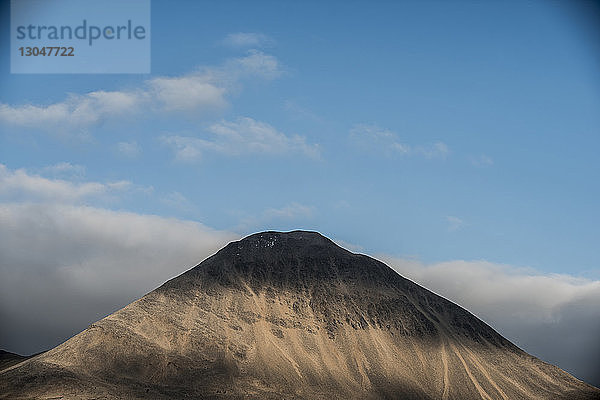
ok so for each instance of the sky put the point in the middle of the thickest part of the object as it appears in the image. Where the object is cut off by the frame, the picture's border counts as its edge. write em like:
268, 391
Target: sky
457, 141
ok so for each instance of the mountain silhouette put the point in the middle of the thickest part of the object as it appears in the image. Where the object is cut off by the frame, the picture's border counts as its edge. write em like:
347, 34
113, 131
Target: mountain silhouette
289, 316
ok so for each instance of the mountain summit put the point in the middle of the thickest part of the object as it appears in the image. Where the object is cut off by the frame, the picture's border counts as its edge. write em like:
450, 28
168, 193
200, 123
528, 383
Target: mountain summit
289, 316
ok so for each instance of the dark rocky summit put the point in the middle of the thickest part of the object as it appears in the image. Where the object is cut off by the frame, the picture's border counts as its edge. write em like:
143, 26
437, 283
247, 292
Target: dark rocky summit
294, 316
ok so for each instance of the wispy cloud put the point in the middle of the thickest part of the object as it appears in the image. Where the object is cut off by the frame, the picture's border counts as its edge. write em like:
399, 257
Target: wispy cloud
535, 310
342, 205
247, 39
194, 92
129, 149
290, 211
481, 160
297, 111
238, 137
255, 63
205, 90
454, 223
63, 169
178, 201
381, 140
75, 113
436, 150
21, 185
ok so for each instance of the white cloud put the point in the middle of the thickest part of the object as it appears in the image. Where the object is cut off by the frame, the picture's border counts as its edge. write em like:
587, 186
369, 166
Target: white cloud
255, 63
65, 266
247, 39
113, 102
249, 135
200, 92
75, 113
187, 93
242, 136
129, 149
376, 139
552, 316
21, 185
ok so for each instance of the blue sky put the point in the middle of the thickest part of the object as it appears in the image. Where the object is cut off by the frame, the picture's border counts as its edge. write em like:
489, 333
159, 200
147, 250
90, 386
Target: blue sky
510, 90
425, 131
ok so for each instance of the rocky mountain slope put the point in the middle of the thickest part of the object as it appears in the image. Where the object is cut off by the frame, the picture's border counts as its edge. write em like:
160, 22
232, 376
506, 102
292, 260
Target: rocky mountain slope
294, 316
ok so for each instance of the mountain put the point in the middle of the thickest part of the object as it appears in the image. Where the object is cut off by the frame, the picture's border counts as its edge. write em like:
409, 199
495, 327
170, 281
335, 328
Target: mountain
8, 359
289, 316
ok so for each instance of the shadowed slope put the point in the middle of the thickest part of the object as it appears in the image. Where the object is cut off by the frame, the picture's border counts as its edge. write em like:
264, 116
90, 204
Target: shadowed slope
290, 315
8, 359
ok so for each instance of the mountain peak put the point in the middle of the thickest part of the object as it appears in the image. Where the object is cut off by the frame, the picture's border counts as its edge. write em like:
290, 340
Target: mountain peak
293, 239
286, 260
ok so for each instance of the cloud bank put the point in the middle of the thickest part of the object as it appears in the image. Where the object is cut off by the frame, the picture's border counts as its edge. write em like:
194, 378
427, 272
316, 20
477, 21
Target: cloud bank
66, 266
